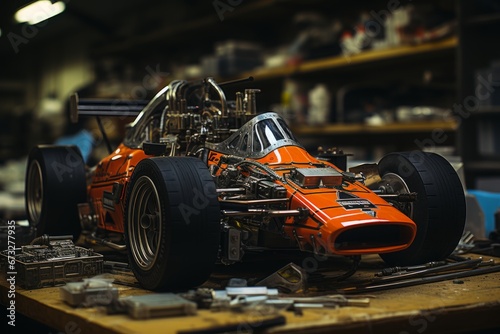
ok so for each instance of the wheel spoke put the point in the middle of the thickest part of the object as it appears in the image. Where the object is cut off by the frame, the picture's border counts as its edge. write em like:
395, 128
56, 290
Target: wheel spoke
144, 222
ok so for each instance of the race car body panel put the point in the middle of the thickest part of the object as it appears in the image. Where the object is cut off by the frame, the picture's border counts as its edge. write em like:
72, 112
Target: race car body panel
109, 181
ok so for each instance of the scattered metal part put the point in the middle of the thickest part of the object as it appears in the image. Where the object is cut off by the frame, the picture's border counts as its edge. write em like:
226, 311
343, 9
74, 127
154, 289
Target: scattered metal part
337, 299
250, 291
395, 270
301, 306
469, 264
114, 267
237, 282
465, 244
447, 275
252, 298
290, 278
91, 292
158, 305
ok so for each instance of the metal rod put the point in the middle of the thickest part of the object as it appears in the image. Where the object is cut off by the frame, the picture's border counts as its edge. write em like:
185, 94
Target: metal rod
104, 135
422, 280
230, 190
255, 201
232, 82
439, 269
93, 239
409, 197
262, 212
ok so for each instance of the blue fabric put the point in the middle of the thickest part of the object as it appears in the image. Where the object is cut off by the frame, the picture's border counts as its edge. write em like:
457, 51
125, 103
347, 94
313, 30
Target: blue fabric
83, 140
489, 203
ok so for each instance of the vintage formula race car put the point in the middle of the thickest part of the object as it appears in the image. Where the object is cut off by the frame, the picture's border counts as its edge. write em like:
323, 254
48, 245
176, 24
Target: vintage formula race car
200, 180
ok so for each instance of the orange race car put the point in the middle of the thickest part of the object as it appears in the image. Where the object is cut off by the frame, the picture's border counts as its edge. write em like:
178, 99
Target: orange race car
199, 179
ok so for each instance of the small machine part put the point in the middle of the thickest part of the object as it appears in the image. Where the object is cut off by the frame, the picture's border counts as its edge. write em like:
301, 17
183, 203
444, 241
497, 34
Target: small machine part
87, 216
331, 300
158, 305
250, 291
52, 261
91, 292
237, 282
316, 177
335, 156
370, 172
231, 245
290, 278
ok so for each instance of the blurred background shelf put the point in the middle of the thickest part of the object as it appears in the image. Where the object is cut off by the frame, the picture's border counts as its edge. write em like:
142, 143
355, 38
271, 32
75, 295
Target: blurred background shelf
424, 127
370, 57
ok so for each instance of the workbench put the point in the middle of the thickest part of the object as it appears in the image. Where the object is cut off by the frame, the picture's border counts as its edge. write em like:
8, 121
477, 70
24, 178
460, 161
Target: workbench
468, 304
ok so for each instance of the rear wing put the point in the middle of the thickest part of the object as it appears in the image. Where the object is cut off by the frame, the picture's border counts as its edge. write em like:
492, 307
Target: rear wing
102, 107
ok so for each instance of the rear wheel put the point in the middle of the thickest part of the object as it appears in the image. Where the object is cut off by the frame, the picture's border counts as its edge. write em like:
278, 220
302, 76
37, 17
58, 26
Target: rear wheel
172, 223
55, 185
439, 210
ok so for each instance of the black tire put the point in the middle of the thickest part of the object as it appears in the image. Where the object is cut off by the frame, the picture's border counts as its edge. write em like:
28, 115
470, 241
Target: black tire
439, 211
172, 223
55, 185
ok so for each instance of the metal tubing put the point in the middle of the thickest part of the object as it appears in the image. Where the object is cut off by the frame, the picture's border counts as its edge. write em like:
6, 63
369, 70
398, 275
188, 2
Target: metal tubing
93, 239
262, 212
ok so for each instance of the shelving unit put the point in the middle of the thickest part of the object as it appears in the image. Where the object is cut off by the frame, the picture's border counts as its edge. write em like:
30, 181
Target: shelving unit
269, 23
367, 139
370, 57
478, 48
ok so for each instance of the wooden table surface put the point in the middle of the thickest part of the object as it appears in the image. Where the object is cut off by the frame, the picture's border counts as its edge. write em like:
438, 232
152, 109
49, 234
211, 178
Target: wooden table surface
470, 304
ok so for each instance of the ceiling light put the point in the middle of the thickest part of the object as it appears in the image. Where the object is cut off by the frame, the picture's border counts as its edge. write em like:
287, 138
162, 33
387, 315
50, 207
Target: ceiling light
39, 11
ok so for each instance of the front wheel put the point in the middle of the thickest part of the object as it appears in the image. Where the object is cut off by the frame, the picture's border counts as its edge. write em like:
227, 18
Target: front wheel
439, 210
172, 223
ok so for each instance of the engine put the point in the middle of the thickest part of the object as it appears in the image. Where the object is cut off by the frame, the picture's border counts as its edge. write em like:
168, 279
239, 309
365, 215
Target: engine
198, 112
254, 207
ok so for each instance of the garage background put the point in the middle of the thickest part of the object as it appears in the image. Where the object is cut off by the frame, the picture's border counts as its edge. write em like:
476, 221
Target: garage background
368, 78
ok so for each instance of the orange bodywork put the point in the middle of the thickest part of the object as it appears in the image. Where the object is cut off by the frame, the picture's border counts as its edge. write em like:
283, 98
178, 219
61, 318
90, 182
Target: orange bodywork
112, 174
368, 224
332, 228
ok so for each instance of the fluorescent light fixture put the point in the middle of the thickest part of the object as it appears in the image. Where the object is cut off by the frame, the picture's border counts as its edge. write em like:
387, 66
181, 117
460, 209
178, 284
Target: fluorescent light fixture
39, 11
